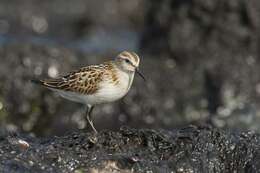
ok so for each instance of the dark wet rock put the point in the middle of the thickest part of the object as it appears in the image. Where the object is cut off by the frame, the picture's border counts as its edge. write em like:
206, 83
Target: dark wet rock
22, 105
64, 22
201, 60
191, 149
214, 46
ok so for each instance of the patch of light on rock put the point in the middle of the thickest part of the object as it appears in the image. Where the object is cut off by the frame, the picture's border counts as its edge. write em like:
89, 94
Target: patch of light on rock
1, 105
53, 71
38, 70
257, 88
39, 24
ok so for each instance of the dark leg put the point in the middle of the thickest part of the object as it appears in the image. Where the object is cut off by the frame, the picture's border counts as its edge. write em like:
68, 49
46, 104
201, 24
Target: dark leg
89, 118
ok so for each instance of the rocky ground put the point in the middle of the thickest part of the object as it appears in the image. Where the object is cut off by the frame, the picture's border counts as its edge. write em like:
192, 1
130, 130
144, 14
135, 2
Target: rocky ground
207, 52
192, 149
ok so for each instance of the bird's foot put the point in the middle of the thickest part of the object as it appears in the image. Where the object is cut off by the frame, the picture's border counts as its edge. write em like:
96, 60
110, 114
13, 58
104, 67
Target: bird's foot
93, 138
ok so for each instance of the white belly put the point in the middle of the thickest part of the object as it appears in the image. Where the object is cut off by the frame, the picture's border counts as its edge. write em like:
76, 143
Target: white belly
108, 92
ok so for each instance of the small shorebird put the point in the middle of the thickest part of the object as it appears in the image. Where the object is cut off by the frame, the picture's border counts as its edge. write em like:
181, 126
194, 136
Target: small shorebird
97, 84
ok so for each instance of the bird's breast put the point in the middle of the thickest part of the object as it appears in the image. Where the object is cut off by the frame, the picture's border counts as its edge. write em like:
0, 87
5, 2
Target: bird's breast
113, 90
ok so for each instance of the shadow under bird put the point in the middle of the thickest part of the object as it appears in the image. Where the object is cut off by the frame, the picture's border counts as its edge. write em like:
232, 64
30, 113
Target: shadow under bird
97, 84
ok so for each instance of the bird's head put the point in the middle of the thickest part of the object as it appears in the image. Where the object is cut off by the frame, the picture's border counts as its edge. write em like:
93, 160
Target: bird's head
129, 62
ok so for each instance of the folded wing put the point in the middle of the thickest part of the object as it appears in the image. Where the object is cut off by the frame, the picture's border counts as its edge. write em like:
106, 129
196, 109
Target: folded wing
84, 81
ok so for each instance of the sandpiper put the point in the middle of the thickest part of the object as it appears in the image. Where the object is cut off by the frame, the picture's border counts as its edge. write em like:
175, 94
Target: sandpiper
97, 84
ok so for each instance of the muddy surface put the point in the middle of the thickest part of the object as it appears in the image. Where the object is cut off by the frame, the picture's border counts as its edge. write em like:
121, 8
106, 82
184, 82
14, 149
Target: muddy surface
191, 149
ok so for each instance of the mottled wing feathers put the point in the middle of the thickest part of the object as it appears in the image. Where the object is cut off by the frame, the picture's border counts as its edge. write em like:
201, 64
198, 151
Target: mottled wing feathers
84, 81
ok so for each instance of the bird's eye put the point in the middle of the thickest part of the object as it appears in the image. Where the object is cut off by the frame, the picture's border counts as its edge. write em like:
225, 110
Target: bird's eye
127, 60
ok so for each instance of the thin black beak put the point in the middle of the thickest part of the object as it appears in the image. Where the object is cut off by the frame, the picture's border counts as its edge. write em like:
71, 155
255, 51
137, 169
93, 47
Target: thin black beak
140, 74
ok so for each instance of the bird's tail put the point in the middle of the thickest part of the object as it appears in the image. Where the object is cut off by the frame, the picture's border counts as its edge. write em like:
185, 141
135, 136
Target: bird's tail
37, 81
49, 83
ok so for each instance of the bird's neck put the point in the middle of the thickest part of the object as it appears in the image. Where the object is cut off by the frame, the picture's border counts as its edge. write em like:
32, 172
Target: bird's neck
125, 76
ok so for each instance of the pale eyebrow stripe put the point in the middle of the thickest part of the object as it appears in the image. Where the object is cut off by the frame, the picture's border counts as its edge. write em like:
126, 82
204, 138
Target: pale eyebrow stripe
133, 55
124, 57
136, 57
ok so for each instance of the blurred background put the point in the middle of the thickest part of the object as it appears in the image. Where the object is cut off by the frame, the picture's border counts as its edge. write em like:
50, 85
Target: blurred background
201, 59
